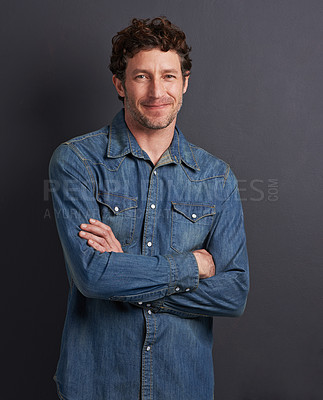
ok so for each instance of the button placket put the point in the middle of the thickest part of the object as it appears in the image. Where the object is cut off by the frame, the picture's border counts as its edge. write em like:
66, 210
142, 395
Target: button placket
151, 330
150, 216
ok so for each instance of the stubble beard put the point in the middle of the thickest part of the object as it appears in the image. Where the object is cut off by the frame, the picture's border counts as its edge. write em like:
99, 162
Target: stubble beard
148, 122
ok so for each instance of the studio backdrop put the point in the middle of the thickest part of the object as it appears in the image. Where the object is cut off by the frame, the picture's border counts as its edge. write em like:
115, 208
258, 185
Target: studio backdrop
254, 100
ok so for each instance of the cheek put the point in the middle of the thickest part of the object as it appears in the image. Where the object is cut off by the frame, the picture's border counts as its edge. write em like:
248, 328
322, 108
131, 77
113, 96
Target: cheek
176, 92
178, 95
135, 94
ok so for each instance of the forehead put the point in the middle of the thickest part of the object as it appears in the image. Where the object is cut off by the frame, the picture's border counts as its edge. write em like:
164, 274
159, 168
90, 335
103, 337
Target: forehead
154, 59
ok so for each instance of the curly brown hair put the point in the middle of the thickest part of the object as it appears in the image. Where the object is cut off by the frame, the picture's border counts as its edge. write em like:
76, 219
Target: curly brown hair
145, 34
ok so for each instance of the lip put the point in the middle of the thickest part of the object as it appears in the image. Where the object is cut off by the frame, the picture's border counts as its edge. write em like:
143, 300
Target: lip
156, 106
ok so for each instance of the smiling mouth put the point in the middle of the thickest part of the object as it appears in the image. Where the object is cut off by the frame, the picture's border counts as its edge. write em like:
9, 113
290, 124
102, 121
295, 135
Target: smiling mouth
156, 106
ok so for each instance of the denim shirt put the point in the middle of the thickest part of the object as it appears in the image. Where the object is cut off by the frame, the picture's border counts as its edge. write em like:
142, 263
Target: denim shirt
139, 323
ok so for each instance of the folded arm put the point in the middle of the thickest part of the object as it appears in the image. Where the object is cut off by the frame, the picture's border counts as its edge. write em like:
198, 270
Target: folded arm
101, 238
108, 275
225, 293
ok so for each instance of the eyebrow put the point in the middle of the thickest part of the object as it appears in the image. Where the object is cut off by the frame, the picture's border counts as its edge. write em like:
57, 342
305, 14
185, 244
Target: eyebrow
146, 71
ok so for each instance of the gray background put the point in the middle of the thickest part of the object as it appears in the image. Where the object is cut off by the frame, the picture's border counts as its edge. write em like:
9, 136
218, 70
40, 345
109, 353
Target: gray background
255, 100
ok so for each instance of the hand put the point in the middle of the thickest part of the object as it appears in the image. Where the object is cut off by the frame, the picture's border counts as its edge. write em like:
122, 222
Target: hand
100, 237
205, 263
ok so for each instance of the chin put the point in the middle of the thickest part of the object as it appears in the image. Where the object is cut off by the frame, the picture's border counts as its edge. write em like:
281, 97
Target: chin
152, 123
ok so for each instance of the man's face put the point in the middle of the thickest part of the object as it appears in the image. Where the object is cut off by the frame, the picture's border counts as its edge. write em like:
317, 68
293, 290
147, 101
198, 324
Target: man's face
153, 88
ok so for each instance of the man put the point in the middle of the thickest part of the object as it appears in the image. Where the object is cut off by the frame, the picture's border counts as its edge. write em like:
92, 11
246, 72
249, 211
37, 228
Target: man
152, 232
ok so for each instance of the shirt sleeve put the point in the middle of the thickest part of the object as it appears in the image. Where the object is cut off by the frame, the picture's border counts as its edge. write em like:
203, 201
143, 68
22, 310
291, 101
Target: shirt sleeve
113, 276
224, 294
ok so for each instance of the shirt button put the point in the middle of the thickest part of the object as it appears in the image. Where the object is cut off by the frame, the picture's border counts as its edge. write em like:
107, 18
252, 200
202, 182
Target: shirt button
149, 244
194, 216
153, 206
139, 302
187, 290
116, 208
155, 172
148, 348
148, 304
177, 289
149, 312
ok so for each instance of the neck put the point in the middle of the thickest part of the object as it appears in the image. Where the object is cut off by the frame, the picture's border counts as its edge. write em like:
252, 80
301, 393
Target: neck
153, 141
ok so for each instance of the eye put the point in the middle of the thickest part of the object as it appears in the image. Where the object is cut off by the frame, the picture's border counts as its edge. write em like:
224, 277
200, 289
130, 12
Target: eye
169, 76
141, 77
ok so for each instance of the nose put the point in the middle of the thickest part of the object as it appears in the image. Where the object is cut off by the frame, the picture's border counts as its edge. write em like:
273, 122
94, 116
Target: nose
156, 88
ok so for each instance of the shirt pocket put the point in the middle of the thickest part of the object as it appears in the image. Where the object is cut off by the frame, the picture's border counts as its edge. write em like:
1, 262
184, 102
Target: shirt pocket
191, 224
119, 212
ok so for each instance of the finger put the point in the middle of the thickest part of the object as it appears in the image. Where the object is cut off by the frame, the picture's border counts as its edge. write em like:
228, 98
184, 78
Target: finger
96, 230
89, 236
102, 232
104, 236
113, 241
96, 246
96, 222
108, 234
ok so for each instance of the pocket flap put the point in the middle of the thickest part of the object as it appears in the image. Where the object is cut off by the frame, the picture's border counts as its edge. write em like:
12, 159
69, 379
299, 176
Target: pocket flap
117, 203
194, 212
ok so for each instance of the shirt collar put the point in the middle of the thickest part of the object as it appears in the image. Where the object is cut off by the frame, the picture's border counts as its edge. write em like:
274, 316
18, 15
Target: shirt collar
182, 150
122, 142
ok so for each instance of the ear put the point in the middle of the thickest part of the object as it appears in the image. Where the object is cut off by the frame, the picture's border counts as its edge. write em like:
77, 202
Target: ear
119, 86
185, 84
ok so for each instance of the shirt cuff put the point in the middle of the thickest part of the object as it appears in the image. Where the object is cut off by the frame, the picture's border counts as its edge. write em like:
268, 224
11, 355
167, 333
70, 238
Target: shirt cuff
184, 273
